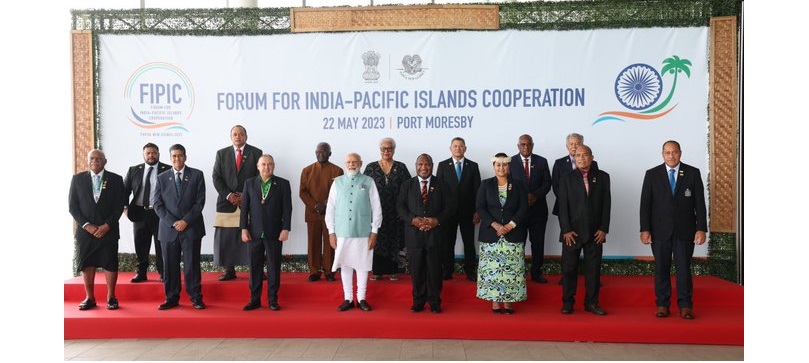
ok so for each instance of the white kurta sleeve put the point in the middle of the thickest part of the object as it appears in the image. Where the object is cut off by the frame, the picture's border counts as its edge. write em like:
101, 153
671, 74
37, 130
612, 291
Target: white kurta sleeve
330, 204
376, 208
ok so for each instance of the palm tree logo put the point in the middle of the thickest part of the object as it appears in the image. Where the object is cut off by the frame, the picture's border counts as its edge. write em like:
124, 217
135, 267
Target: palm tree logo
639, 86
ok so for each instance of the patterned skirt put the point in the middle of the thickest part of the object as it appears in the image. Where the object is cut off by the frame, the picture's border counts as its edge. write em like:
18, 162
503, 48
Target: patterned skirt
501, 272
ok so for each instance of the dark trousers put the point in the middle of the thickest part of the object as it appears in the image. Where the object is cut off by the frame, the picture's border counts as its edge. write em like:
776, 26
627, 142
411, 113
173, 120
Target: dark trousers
260, 250
321, 255
536, 234
145, 232
470, 260
382, 265
425, 270
570, 271
682, 252
188, 250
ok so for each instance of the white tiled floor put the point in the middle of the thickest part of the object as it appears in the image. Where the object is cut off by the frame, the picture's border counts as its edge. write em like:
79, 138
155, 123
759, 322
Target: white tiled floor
384, 349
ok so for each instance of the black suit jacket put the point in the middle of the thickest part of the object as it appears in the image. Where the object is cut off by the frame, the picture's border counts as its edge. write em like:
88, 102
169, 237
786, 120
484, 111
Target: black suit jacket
515, 209
539, 185
188, 207
225, 178
271, 217
85, 209
465, 190
561, 167
440, 204
133, 182
581, 212
669, 217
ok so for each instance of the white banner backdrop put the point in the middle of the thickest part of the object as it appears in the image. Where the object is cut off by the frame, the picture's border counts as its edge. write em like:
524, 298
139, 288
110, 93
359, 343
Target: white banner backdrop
626, 90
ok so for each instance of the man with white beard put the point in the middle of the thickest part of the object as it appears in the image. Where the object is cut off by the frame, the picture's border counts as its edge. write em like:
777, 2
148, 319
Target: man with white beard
353, 216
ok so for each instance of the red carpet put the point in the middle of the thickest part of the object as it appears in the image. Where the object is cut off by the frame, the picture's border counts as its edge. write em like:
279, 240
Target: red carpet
309, 310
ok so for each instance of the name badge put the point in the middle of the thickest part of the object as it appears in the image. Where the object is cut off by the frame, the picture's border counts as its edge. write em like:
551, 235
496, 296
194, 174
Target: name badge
687, 192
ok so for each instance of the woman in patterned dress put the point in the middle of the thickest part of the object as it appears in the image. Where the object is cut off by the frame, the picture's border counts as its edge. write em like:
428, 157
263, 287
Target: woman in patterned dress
388, 175
502, 205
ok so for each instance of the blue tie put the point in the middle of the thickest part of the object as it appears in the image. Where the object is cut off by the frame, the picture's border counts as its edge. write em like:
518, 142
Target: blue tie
458, 170
672, 182
178, 184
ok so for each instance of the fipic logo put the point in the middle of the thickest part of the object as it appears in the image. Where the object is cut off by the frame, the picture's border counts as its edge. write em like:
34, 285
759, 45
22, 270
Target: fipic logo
639, 86
161, 99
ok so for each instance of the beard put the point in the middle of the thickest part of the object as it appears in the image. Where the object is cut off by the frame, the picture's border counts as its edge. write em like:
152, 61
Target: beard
352, 172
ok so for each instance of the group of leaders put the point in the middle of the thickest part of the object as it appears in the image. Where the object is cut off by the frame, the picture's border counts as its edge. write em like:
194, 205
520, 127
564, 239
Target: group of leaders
363, 223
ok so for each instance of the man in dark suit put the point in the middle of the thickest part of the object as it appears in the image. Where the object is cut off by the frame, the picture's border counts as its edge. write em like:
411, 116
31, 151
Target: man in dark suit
140, 211
265, 223
463, 177
96, 201
425, 204
566, 164
233, 166
179, 199
584, 221
673, 219
533, 172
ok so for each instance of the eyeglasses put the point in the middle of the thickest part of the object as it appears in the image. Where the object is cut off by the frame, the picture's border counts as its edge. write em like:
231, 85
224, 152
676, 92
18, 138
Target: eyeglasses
384, 149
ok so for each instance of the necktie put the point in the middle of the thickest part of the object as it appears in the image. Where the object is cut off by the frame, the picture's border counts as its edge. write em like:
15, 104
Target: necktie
584, 176
238, 159
147, 189
458, 170
672, 181
178, 184
527, 170
424, 191
96, 186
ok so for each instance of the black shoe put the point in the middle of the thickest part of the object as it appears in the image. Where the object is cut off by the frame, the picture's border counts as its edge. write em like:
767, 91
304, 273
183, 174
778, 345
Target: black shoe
346, 305
229, 275
112, 304
314, 277
472, 278
540, 279
168, 305
364, 306
138, 278
264, 276
435, 309
560, 281
595, 309
274, 306
448, 277
199, 305
87, 304
416, 308
497, 311
330, 277
252, 305
567, 309
508, 311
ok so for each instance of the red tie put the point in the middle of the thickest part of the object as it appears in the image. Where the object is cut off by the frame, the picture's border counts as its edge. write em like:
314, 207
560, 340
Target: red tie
238, 159
586, 182
424, 191
527, 170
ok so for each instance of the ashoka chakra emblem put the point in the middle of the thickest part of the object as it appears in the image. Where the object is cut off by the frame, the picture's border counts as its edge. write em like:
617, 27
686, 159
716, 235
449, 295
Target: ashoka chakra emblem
638, 86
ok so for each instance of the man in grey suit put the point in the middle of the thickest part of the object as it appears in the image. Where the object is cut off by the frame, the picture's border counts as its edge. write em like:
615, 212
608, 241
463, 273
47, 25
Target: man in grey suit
233, 166
140, 181
179, 199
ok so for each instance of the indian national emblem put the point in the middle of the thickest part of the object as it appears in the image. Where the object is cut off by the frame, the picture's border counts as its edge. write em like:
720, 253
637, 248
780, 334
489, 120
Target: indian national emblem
371, 60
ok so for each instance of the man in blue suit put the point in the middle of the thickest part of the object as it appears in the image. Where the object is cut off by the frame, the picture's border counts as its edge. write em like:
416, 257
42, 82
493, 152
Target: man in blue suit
532, 171
179, 199
673, 220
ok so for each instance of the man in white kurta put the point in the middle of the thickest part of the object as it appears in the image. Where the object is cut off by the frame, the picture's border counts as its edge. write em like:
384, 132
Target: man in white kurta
353, 216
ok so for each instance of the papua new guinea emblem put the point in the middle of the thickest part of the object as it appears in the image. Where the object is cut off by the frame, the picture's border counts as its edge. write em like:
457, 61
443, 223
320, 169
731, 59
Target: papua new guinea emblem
371, 60
412, 67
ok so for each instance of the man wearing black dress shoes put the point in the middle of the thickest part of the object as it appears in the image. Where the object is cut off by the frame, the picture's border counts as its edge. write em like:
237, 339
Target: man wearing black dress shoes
140, 181
179, 199
265, 222
96, 201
